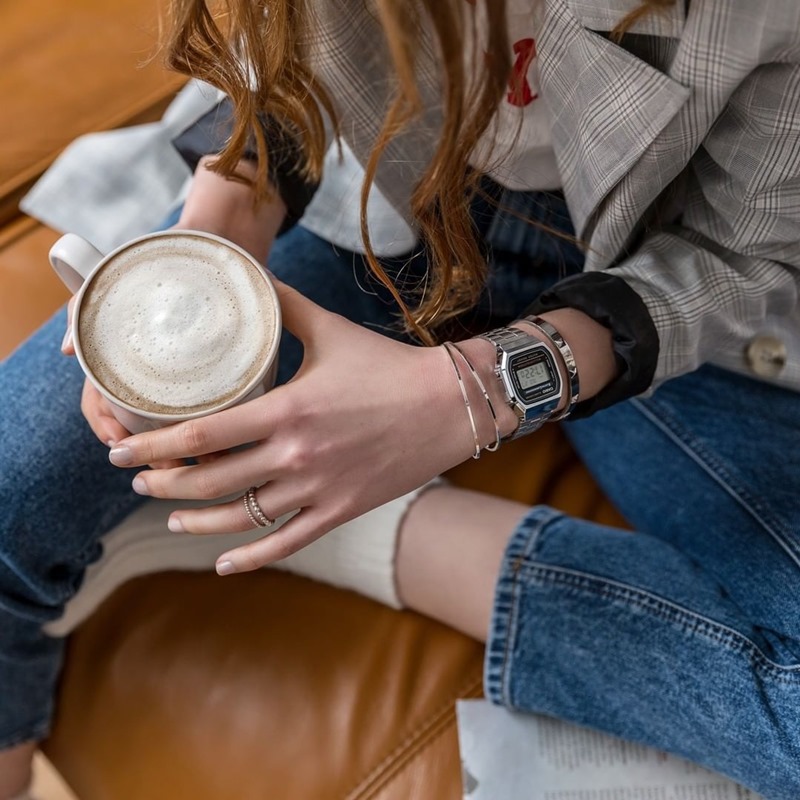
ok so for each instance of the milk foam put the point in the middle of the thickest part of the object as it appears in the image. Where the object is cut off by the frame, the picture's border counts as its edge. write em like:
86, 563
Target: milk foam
177, 325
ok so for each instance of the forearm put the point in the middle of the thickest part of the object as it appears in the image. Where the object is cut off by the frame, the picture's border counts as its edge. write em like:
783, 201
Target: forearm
229, 208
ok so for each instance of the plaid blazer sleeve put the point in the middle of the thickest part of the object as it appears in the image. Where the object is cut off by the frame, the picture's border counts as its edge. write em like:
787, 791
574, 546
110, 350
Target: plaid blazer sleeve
713, 281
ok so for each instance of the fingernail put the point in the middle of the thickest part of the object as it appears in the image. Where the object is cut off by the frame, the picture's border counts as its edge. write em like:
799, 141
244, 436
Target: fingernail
225, 568
121, 456
175, 525
111, 443
139, 485
67, 340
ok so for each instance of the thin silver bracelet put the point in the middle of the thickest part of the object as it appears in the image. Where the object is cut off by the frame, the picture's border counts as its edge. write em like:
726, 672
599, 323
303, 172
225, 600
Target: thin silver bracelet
548, 332
446, 346
490, 447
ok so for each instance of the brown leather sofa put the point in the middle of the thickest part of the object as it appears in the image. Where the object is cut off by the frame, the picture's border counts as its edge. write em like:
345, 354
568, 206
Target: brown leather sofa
183, 686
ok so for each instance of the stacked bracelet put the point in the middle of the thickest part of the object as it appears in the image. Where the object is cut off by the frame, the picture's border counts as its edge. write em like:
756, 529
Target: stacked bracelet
522, 354
490, 447
450, 348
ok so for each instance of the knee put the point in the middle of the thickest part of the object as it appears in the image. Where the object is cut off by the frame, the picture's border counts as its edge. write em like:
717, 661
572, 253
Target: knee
45, 538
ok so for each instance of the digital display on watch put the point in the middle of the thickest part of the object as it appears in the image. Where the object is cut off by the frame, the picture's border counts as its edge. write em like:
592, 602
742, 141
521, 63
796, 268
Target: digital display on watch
533, 374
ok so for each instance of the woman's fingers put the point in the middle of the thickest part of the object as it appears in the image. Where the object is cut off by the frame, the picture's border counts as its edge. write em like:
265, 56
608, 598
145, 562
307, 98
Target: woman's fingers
274, 499
303, 529
214, 478
67, 345
224, 430
98, 414
299, 315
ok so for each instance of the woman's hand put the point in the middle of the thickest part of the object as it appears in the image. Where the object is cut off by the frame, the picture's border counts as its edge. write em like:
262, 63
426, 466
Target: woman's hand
365, 420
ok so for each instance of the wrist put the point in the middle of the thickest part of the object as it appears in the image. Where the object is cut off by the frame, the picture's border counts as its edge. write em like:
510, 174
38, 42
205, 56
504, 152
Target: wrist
232, 209
591, 344
439, 385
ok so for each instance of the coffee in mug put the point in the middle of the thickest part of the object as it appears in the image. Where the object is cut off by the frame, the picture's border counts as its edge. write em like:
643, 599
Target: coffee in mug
174, 325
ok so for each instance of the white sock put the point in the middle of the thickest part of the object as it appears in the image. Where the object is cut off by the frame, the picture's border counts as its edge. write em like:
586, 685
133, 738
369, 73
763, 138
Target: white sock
358, 555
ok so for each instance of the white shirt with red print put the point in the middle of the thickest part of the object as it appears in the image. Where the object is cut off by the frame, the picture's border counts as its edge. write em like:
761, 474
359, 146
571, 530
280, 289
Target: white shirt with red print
519, 139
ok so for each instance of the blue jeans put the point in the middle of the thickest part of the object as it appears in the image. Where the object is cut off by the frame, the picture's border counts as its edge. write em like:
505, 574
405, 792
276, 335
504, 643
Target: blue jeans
686, 634
683, 635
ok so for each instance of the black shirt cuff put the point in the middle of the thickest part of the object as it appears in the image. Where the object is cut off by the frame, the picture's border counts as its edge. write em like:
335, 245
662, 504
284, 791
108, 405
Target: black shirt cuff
609, 300
209, 134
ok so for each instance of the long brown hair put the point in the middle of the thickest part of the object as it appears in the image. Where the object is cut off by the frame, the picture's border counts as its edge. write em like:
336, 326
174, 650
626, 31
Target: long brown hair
225, 44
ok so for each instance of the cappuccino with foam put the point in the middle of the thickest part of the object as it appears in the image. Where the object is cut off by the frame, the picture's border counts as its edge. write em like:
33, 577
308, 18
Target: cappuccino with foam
178, 324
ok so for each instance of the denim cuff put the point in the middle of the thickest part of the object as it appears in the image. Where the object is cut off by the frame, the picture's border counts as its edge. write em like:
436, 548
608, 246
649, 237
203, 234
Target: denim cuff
506, 625
26, 714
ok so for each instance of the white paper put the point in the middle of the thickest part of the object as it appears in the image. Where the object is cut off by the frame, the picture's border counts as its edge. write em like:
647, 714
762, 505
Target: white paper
508, 756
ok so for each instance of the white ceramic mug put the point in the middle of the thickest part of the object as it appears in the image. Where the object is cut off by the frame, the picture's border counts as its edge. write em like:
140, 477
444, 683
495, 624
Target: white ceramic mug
76, 262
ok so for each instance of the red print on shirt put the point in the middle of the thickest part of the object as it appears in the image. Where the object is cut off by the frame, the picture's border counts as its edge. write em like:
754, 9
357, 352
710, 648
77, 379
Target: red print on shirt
519, 90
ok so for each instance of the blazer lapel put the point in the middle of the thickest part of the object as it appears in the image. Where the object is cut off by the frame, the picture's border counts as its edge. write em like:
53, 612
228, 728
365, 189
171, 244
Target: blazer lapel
607, 105
604, 15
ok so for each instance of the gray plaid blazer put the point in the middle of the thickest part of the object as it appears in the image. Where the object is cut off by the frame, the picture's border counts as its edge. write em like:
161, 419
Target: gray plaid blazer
679, 153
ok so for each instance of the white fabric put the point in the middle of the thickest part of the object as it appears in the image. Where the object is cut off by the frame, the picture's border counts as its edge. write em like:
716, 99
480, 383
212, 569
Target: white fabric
520, 137
112, 186
334, 213
358, 555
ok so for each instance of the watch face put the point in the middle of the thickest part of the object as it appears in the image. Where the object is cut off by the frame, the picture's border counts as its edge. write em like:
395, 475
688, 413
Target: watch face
534, 375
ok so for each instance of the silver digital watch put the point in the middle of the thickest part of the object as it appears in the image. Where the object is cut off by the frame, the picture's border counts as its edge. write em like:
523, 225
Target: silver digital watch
530, 377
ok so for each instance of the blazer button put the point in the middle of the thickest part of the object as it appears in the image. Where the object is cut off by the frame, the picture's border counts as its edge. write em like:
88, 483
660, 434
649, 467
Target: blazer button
766, 356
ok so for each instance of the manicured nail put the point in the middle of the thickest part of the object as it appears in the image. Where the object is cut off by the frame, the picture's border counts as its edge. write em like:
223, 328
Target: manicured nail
67, 340
225, 568
139, 485
175, 525
121, 456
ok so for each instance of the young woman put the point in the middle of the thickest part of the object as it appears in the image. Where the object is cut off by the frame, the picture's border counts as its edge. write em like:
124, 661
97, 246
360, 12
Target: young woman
629, 177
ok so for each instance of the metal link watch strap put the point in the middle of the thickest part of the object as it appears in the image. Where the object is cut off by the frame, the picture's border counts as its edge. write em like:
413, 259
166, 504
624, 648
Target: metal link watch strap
504, 336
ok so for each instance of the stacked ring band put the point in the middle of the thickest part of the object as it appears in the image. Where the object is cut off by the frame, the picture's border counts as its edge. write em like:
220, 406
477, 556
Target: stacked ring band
254, 511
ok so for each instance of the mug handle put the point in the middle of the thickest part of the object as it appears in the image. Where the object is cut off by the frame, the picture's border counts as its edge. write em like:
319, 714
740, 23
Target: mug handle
73, 259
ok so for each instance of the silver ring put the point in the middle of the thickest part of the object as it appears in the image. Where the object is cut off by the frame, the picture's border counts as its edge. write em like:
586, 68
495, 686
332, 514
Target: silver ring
254, 511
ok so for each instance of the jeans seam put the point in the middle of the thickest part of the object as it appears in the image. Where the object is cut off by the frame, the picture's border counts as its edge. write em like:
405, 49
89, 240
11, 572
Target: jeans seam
666, 610
707, 461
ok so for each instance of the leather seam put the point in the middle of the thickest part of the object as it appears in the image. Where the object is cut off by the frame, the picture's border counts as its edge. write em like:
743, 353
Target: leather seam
414, 743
